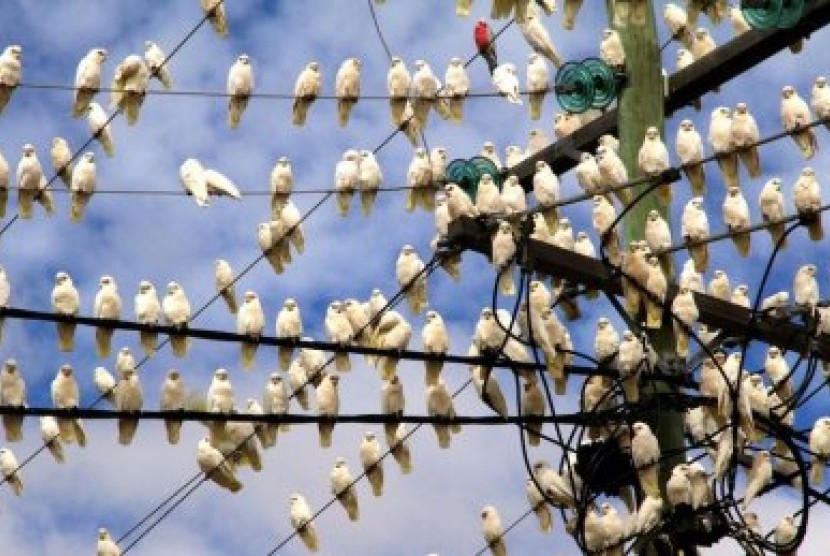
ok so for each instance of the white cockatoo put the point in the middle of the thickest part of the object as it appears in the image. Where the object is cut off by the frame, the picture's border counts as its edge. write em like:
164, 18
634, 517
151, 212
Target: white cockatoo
239, 89
306, 90
250, 322
537, 83
613, 172
193, 178
398, 82
630, 362
281, 182
176, 310
795, 117
745, 137
225, 279
439, 403
214, 11
129, 86
488, 198
565, 124
423, 91
29, 178
220, 395
87, 80
10, 72
436, 341
393, 404
539, 505
694, 226
684, 309
50, 435
538, 38
66, 395
588, 175
82, 186
820, 100
173, 397
736, 218
340, 331
807, 201
66, 302
392, 332
546, 190
372, 462
678, 23
678, 487
220, 185
301, 520
649, 514
347, 88
513, 196
611, 49
148, 312
289, 327
719, 286
156, 61
771, 202
493, 531
487, 386
645, 453
275, 401
370, 177
758, 476
99, 127
342, 487
215, 467
805, 286
61, 156
412, 279
129, 396
603, 217
689, 148
106, 546
419, 181
819, 449
506, 82
657, 232
107, 306
503, 257
702, 43
12, 394
456, 88
346, 179
328, 405
653, 159
723, 145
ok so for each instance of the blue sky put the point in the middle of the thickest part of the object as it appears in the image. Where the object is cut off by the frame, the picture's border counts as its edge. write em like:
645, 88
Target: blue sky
163, 238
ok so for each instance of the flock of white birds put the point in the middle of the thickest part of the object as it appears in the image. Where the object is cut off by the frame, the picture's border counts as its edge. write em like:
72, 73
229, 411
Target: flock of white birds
733, 137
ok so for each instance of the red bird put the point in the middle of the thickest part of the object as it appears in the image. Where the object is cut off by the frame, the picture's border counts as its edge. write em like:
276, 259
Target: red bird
485, 45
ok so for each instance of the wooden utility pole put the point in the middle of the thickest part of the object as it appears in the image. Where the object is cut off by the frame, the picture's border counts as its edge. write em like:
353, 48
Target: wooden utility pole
641, 105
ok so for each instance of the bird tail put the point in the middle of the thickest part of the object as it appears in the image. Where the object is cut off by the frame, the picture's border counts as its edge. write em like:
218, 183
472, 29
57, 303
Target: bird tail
815, 229
344, 201
300, 112
248, 351
571, 11
456, 108
178, 344
700, 256
78, 432
807, 142
106, 143
545, 517
218, 20
452, 266
13, 424
344, 110
284, 354
77, 205
728, 164
236, 106
5, 96
103, 341
367, 200
697, 178
797, 46
403, 456
462, 7
132, 106
25, 202
648, 480
752, 161
631, 389
682, 341
173, 430
229, 295
65, 174
149, 341
654, 314
66, 336
507, 286
126, 431
433, 371
56, 450
443, 434
742, 243
533, 433
325, 429
4, 201
309, 537
777, 233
